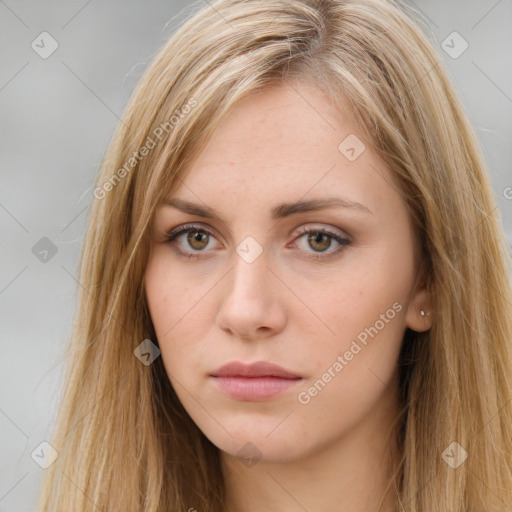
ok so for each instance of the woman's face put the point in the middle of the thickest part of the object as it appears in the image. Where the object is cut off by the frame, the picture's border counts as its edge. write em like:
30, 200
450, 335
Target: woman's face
253, 285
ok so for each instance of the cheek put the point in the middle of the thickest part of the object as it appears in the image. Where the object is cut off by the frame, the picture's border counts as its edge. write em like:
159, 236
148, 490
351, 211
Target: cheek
366, 344
170, 296
351, 370
178, 315
362, 315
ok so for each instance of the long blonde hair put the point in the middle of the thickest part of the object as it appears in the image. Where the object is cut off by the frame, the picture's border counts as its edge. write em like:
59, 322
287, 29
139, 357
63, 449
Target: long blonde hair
125, 443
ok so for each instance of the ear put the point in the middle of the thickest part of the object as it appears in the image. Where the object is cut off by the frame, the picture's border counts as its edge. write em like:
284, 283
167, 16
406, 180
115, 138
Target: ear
420, 300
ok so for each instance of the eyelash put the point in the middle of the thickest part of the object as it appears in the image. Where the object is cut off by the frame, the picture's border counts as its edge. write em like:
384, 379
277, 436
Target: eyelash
187, 228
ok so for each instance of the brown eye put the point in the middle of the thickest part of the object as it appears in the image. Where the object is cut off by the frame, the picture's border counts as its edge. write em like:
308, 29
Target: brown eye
197, 239
319, 241
316, 242
190, 240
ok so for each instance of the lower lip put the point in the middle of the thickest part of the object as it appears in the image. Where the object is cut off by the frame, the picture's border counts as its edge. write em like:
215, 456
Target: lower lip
254, 388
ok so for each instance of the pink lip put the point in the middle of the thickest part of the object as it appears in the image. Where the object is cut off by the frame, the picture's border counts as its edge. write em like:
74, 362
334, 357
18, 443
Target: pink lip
256, 381
258, 369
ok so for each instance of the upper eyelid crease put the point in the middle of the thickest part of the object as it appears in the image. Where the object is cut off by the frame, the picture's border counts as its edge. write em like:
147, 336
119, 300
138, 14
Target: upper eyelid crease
280, 211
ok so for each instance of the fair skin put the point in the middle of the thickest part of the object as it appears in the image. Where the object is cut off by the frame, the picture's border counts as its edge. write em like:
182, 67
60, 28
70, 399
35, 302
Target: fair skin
281, 146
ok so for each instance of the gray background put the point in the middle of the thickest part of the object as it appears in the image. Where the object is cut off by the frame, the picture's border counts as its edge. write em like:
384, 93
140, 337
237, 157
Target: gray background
57, 117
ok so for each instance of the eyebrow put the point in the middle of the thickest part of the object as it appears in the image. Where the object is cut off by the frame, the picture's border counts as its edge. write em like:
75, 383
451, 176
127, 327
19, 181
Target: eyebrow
280, 211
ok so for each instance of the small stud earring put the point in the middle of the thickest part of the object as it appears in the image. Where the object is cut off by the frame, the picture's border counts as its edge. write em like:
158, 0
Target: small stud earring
422, 313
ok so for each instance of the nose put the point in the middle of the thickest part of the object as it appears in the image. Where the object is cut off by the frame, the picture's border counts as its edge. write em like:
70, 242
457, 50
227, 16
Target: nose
251, 305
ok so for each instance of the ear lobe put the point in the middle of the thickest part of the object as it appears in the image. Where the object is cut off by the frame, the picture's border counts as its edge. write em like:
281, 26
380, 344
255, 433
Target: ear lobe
414, 319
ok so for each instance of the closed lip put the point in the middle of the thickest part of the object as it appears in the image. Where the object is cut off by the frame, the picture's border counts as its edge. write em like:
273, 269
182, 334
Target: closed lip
257, 369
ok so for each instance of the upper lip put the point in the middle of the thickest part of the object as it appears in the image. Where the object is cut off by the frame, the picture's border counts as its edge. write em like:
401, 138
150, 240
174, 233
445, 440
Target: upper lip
257, 369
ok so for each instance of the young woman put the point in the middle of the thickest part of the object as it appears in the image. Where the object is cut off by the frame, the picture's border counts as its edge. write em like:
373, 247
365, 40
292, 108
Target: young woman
295, 286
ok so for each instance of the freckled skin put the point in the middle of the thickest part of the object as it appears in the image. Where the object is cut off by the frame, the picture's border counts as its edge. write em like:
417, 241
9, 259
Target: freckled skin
285, 307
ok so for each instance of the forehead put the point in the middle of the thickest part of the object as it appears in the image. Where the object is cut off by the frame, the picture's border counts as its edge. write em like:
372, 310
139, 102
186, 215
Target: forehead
286, 143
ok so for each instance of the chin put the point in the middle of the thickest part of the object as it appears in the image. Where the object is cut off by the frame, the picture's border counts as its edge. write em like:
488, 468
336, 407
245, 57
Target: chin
266, 441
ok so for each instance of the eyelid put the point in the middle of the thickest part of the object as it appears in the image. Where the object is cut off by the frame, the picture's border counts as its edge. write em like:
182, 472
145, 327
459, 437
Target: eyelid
323, 228
190, 225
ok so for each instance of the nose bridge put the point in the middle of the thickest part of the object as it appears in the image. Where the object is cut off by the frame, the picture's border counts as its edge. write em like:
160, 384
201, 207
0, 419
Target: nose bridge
249, 306
250, 270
